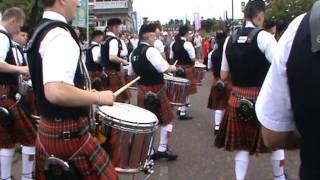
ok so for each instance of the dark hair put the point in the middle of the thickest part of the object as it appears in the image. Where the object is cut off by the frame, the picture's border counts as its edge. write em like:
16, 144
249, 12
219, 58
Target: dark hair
13, 12
282, 25
158, 26
269, 24
147, 28
25, 29
220, 38
48, 3
96, 33
114, 22
253, 8
183, 30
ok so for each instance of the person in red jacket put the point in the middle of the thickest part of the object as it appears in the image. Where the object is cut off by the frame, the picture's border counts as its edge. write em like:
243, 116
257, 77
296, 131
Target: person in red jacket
206, 47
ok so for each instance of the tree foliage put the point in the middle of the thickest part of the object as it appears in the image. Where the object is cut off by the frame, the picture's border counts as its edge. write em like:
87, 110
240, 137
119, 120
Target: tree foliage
211, 25
25, 5
287, 9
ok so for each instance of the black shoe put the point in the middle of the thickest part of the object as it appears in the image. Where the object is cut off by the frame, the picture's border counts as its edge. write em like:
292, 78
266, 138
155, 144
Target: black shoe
170, 156
185, 117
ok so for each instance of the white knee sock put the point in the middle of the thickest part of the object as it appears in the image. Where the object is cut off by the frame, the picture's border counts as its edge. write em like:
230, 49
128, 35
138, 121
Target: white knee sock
6, 163
27, 162
164, 139
241, 164
218, 115
277, 160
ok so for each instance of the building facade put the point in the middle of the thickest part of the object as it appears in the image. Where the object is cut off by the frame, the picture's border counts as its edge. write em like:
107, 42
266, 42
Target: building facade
102, 10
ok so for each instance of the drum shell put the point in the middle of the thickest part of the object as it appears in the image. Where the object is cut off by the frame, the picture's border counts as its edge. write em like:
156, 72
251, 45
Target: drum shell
177, 91
200, 73
128, 145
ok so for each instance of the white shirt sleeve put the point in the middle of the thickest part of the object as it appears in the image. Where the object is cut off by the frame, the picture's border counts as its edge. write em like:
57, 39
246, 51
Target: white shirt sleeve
130, 68
224, 64
210, 60
273, 106
60, 54
190, 49
171, 51
159, 46
267, 45
124, 51
154, 56
114, 47
96, 54
4, 47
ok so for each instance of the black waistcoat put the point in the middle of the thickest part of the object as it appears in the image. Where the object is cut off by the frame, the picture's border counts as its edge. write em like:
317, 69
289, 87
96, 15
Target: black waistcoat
46, 108
143, 67
180, 53
303, 76
248, 65
91, 65
216, 59
105, 51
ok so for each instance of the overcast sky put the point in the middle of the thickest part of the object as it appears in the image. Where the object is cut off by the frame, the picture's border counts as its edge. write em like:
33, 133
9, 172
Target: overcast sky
164, 10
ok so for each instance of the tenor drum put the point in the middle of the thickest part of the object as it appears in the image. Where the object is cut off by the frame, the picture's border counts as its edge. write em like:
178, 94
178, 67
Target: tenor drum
132, 129
200, 72
177, 89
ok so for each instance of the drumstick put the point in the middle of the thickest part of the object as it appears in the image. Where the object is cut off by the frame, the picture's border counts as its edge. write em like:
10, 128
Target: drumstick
175, 63
121, 90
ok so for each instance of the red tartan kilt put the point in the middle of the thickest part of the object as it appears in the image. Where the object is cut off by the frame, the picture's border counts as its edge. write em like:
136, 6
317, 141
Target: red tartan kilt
235, 135
165, 114
95, 76
191, 76
117, 81
23, 130
31, 100
91, 160
218, 102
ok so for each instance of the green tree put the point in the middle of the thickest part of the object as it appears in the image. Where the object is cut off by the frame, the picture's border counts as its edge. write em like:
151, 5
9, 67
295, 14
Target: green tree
25, 5
287, 9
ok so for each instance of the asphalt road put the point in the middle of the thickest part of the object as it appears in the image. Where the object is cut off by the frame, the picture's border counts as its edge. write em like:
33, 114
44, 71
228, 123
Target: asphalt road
198, 158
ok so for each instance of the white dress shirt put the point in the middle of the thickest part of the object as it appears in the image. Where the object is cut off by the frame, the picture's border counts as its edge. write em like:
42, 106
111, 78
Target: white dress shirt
273, 106
60, 53
124, 51
187, 46
4, 45
159, 45
266, 43
155, 58
113, 45
134, 42
16, 53
96, 52
210, 65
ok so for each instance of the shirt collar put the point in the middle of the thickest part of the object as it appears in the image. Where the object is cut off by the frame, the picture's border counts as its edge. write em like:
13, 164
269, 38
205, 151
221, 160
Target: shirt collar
183, 38
145, 43
54, 16
93, 42
3, 28
249, 24
111, 34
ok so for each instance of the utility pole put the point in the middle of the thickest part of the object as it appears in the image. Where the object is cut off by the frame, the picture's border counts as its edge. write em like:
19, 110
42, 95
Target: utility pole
232, 10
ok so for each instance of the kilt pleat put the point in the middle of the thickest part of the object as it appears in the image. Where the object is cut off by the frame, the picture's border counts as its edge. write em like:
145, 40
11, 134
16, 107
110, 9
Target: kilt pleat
218, 102
191, 76
235, 135
117, 81
92, 160
23, 130
165, 113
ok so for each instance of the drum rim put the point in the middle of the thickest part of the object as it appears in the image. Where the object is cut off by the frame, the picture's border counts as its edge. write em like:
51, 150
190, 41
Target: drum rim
176, 79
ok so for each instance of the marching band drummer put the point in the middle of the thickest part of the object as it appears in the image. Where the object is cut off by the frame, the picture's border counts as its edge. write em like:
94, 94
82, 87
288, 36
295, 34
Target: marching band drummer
183, 51
58, 78
93, 60
147, 62
15, 125
247, 55
158, 44
218, 96
111, 59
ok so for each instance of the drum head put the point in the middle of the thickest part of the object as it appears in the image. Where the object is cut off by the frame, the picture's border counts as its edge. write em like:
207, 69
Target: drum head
200, 65
129, 115
176, 79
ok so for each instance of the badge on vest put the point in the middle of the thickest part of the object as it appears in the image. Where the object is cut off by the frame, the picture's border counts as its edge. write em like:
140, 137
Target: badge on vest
242, 39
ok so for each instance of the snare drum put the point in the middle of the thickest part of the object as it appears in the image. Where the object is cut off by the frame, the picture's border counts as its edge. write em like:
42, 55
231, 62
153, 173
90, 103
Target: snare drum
177, 89
132, 130
200, 72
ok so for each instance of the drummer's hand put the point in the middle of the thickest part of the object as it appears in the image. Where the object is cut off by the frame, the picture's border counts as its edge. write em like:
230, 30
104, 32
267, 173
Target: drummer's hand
172, 68
107, 98
125, 63
24, 70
